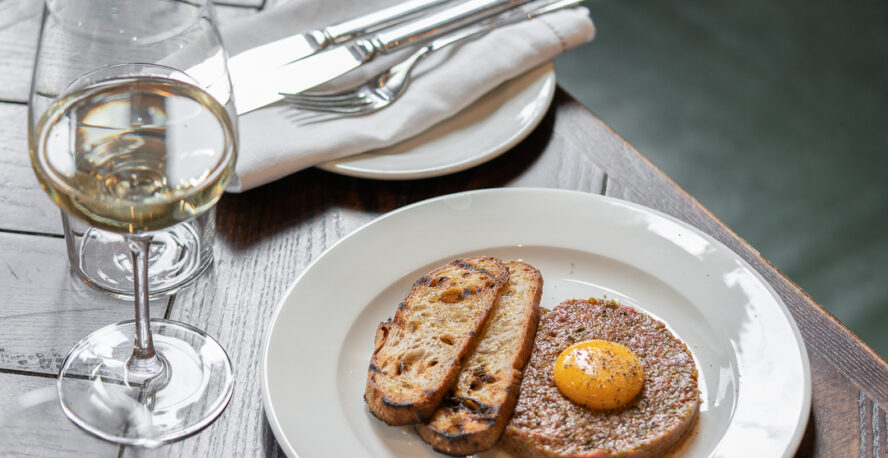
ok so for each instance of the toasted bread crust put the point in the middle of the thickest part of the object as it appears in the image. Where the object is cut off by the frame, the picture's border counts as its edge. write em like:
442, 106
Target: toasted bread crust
418, 352
473, 415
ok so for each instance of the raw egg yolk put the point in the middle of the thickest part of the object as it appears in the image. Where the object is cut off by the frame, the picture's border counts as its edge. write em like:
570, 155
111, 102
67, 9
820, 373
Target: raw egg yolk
599, 374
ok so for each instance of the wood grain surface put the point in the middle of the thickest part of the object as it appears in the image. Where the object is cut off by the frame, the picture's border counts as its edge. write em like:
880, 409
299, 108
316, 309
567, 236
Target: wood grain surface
22, 207
266, 238
32, 424
45, 309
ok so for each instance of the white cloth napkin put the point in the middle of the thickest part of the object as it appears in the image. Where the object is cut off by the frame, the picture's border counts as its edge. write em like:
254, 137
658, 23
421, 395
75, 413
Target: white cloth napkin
275, 141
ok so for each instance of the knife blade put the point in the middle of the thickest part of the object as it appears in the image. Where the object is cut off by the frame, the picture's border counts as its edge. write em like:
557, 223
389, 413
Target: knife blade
324, 66
277, 53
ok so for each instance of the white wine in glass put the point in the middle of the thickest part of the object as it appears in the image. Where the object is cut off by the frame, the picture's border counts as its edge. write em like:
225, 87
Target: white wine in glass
132, 130
134, 154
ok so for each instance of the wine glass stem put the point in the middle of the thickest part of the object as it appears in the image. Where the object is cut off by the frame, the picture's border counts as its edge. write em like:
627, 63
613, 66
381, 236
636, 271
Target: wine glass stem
144, 365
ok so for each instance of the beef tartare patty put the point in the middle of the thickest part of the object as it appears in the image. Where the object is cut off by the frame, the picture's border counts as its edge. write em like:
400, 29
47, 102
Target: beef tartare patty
548, 424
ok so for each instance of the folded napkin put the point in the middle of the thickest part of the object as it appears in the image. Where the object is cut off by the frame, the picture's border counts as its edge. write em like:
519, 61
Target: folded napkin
275, 141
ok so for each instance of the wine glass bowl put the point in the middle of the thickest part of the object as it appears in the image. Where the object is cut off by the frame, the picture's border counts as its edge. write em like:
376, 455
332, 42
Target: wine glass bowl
135, 153
132, 129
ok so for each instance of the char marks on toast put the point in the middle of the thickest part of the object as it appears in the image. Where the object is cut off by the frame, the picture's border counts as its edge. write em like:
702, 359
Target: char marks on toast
473, 415
417, 353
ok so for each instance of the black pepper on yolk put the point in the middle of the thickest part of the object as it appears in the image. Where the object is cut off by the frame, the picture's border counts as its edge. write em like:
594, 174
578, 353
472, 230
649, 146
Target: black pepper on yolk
599, 374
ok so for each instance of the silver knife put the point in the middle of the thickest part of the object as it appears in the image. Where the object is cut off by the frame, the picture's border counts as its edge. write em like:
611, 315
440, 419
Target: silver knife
261, 59
261, 90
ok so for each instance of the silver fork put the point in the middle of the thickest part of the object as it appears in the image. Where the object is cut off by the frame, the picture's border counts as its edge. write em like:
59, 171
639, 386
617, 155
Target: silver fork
383, 89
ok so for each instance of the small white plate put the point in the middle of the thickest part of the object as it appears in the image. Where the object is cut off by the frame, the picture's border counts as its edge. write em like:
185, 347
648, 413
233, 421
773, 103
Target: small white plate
755, 382
489, 127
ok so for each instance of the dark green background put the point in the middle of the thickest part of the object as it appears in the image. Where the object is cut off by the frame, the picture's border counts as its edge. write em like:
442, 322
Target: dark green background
774, 115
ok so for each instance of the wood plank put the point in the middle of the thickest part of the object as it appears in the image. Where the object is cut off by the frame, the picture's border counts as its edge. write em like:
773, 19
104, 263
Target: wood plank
265, 250
834, 401
23, 205
839, 409
18, 45
46, 309
32, 423
873, 442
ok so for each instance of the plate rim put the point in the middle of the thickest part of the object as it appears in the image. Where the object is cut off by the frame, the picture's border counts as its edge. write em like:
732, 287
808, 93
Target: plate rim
268, 407
548, 82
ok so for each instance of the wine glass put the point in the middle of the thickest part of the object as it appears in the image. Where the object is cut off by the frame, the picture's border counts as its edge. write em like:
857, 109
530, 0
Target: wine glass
132, 129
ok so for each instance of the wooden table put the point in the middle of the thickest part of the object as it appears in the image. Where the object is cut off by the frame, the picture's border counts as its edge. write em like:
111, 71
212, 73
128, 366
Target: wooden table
267, 236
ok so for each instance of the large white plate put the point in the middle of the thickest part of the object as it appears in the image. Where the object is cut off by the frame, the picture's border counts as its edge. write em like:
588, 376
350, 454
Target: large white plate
489, 127
754, 377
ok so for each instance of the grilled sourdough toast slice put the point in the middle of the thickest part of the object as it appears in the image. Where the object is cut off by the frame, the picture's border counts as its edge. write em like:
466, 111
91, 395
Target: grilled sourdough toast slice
473, 415
417, 354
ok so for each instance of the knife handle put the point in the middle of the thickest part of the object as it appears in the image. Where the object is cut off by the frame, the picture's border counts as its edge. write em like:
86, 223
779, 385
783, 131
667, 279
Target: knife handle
351, 28
440, 22
528, 11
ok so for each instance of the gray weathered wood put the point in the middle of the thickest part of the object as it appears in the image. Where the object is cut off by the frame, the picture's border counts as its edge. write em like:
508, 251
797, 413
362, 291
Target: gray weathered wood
234, 304
18, 45
32, 424
44, 310
23, 205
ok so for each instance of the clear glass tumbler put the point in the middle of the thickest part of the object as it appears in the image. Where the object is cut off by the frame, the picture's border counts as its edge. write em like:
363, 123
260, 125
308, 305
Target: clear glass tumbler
177, 256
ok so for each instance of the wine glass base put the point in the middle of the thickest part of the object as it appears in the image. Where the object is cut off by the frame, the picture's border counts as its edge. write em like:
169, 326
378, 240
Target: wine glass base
95, 395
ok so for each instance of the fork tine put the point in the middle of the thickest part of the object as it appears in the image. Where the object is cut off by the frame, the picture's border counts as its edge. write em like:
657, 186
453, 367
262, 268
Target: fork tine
321, 96
319, 104
344, 109
301, 116
328, 110
328, 103
359, 97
